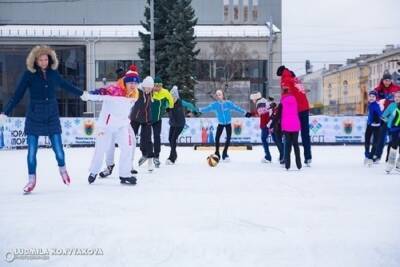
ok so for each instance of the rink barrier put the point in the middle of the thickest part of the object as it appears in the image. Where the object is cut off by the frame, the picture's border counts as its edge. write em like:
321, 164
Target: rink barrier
80, 132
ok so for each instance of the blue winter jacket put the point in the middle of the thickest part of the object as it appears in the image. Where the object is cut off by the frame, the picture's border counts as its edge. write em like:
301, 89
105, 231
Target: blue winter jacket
374, 114
223, 110
42, 115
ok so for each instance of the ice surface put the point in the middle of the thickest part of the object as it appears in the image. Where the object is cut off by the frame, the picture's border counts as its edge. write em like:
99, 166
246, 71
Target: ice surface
242, 213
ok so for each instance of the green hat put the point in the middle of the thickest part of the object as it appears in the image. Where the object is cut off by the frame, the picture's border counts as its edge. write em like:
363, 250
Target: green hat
157, 79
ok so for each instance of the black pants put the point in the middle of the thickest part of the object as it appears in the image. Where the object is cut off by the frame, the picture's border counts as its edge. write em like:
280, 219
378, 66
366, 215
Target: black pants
374, 133
220, 128
292, 139
146, 146
277, 136
157, 137
174, 132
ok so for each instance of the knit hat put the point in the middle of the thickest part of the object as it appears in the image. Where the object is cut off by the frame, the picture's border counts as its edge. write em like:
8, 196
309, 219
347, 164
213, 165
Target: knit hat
174, 92
387, 76
373, 92
148, 82
280, 70
255, 96
132, 75
157, 79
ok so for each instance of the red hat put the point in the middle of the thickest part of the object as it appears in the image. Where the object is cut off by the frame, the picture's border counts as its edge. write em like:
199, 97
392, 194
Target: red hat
132, 75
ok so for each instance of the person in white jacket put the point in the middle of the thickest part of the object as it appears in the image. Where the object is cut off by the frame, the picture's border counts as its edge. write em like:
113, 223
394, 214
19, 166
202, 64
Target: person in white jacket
114, 121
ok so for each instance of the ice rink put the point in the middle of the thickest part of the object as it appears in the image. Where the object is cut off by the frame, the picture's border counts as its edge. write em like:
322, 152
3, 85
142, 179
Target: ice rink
242, 213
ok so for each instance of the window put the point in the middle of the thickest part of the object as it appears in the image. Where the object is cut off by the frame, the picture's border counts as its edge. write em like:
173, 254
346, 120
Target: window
235, 10
255, 10
105, 69
203, 70
1, 74
245, 10
226, 10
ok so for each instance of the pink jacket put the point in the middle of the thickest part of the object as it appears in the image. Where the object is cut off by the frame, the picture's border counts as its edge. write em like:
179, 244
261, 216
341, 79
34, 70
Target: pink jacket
290, 116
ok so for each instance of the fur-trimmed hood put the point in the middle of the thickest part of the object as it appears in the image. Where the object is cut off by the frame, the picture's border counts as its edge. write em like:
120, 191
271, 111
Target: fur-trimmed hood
38, 51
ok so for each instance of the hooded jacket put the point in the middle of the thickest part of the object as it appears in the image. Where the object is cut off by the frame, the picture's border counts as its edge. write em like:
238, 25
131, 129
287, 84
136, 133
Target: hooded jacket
290, 116
296, 89
42, 116
141, 111
161, 101
385, 94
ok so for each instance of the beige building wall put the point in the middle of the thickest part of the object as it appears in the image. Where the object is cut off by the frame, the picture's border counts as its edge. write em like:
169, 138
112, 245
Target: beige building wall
381, 64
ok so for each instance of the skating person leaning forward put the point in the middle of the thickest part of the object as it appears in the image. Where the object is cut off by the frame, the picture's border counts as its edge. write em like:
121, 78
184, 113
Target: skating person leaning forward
141, 117
162, 102
42, 118
113, 122
222, 108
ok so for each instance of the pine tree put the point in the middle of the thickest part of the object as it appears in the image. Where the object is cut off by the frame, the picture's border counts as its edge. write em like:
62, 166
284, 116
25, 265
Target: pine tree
161, 28
180, 48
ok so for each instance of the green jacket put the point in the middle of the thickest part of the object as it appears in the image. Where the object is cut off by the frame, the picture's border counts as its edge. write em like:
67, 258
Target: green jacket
161, 101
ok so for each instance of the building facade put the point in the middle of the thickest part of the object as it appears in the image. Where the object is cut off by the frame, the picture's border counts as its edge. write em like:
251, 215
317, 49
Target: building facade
388, 61
94, 38
313, 82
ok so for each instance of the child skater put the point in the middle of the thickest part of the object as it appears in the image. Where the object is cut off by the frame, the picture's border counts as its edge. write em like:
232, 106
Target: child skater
114, 121
264, 112
391, 116
290, 127
222, 108
373, 128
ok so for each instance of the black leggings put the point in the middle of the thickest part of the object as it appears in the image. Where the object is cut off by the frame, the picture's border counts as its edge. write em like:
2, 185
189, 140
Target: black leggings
220, 128
292, 139
146, 146
374, 133
174, 133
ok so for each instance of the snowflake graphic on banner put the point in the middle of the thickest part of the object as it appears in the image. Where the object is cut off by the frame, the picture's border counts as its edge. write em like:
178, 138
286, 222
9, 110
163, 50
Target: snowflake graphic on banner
18, 123
67, 124
77, 121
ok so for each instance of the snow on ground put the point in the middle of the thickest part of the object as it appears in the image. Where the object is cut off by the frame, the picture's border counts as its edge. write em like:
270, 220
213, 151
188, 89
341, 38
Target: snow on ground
242, 213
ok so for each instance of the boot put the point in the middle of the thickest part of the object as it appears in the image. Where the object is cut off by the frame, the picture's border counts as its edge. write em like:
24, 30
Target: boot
142, 160
31, 184
107, 171
65, 176
92, 178
391, 160
128, 180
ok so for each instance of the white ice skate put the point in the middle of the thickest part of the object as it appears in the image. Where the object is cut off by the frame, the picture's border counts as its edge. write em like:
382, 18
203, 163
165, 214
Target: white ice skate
30, 185
368, 162
169, 162
150, 165
391, 161
308, 162
265, 161
398, 165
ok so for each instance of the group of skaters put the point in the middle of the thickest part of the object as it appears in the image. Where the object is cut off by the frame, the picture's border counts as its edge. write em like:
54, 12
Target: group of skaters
132, 106
383, 122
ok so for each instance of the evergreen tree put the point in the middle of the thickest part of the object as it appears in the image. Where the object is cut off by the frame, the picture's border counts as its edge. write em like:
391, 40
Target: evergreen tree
181, 48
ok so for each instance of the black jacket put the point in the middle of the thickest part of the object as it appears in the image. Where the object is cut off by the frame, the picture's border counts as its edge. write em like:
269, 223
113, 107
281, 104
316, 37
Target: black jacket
177, 115
141, 111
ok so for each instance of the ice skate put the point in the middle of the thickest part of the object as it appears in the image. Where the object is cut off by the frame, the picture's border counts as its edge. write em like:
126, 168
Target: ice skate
169, 162
142, 160
133, 171
128, 180
391, 160
157, 162
264, 160
30, 185
107, 171
150, 165
92, 178
307, 162
64, 176
398, 165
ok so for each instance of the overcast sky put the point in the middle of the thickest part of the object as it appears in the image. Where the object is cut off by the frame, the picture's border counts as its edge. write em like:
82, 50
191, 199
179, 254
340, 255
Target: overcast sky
330, 31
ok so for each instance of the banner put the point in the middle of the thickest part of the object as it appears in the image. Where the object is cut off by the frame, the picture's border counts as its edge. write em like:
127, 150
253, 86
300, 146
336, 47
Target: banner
82, 131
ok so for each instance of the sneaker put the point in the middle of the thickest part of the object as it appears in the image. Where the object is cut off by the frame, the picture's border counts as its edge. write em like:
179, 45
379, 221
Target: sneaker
157, 162
265, 161
30, 185
133, 171
64, 176
142, 160
107, 171
92, 178
128, 180
150, 165
169, 162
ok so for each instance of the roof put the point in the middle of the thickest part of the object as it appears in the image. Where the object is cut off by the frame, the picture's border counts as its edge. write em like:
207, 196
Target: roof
125, 31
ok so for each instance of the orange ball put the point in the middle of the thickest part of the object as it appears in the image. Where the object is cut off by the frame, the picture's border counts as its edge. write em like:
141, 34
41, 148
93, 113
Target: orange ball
212, 160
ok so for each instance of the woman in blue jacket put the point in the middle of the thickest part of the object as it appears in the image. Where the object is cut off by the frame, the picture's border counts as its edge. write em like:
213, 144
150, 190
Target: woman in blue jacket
222, 108
42, 117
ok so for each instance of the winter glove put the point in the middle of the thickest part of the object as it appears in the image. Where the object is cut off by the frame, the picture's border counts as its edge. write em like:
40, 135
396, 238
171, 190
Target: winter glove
3, 119
248, 115
85, 96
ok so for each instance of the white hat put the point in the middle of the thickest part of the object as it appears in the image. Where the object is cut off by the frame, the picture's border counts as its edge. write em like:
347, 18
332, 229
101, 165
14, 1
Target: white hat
255, 96
148, 82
